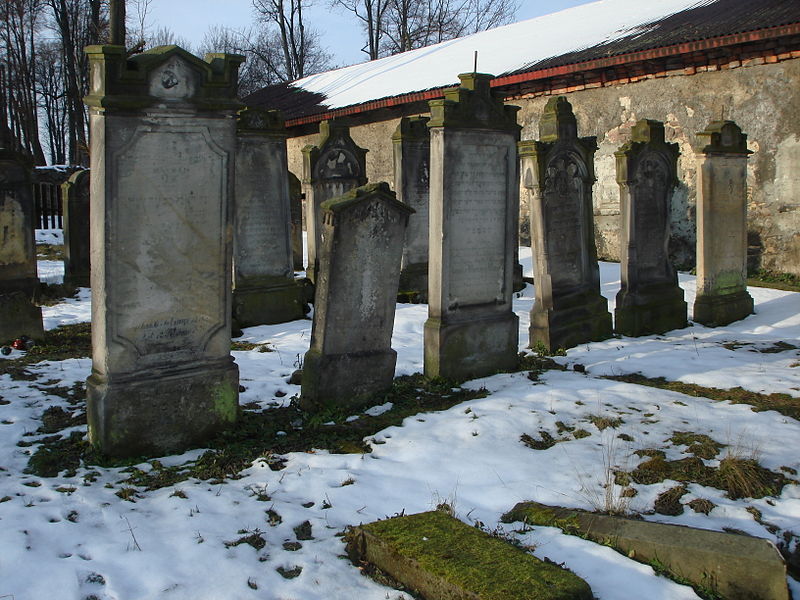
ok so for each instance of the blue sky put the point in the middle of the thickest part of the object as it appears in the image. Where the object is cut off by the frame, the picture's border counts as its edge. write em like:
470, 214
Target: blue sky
341, 35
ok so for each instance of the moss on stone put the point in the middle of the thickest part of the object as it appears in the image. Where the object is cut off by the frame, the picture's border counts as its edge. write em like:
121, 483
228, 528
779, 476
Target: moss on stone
226, 401
472, 560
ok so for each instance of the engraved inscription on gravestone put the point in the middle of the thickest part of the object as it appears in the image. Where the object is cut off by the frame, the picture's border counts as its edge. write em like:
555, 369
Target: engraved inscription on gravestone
162, 180
563, 192
478, 184
653, 181
11, 231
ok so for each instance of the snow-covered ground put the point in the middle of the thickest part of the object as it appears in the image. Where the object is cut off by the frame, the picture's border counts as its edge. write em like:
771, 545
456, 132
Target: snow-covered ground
64, 537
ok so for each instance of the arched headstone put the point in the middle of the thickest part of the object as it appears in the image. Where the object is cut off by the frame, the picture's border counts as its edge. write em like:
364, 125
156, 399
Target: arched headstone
558, 172
331, 168
649, 300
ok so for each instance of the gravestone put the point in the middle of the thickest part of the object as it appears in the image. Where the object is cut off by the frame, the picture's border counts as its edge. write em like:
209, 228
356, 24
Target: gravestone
75, 202
722, 295
330, 169
296, 211
471, 329
163, 135
558, 173
649, 300
264, 289
412, 158
19, 283
359, 270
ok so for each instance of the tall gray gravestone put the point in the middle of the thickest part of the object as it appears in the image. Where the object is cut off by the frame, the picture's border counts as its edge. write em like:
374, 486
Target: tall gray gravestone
296, 212
359, 270
19, 283
264, 289
649, 300
163, 143
558, 173
412, 159
331, 168
471, 329
722, 295
75, 202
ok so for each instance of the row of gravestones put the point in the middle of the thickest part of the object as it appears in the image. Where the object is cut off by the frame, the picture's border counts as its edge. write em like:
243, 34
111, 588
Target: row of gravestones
166, 163
458, 170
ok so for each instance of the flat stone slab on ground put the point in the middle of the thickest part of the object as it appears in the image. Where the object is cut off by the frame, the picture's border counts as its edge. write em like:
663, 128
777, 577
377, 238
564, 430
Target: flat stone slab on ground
737, 567
442, 558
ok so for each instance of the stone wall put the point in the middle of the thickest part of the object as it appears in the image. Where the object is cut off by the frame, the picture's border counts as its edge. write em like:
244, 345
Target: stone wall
764, 100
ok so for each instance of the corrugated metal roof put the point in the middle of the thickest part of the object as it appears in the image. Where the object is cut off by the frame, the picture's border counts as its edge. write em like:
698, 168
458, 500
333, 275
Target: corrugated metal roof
710, 19
583, 33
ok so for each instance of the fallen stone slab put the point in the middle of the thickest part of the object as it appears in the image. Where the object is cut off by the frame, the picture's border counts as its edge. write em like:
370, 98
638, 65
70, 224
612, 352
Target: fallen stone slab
442, 558
734, 566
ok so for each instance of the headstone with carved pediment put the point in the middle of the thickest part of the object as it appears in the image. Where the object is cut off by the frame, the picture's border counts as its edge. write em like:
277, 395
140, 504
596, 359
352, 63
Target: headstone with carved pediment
163, 143
19, 283
722, 295
331, 168
412, 157
471, 329
649, 300
359, 270
264, 288
558, 172
75, 202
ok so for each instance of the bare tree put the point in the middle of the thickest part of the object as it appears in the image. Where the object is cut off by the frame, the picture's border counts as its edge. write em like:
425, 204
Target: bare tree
372, 14
302, 53
409, 24
19, 22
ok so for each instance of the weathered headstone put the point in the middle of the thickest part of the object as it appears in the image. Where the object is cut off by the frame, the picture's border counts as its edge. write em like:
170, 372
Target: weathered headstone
296, 211
264, 289
722, 295
331, 168
412, 158
163, 134
75, 202
558, 172
359, 271
471, 329
19, 284
649, 300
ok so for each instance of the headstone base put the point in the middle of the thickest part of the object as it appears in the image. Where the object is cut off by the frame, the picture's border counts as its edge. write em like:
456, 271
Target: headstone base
579, 319
414, 278
719, 310
467, 350
20, 317
657, 309
161, 413
345, 380
278, 302
75, 281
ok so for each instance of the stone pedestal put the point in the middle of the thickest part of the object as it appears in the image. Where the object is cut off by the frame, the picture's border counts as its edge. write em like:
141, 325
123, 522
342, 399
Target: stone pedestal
412, 156
19, 284
351, 356
558, 174
163, 136
75, 202
471, 329
296, 212
722, 295
330, 169
264, 289
649, 300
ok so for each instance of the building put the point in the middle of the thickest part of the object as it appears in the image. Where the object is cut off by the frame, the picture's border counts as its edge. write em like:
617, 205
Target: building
682, 62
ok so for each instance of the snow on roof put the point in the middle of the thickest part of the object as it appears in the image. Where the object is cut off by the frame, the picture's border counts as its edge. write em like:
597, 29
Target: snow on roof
501, 50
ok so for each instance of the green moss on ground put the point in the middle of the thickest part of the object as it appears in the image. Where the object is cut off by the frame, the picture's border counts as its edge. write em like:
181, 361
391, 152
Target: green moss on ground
783, 403
470, 559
